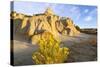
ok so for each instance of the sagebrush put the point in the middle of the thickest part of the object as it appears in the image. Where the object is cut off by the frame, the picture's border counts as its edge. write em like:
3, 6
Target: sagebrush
50, 52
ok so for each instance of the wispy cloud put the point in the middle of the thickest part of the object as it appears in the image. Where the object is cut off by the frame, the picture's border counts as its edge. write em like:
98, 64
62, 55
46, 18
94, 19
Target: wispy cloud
93, 12
75, 12
81, 15
86, 11
68, 11
91, 15
88, 18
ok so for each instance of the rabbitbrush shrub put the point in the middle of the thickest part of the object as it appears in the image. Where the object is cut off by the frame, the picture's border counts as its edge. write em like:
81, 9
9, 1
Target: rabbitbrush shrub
50, 52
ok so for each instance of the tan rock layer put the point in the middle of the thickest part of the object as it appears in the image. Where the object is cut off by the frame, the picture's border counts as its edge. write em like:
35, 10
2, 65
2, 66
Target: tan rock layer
47, 21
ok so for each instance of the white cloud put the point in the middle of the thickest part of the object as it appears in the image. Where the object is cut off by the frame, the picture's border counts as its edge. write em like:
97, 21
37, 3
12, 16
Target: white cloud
91, 15
86, 11
75, 12
78, 16
93, 12
88, 18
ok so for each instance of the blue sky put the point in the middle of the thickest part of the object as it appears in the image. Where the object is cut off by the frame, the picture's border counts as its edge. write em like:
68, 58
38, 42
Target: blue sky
83, 16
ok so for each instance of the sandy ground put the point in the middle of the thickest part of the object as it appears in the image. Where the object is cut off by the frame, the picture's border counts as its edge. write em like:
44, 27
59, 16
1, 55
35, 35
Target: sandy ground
82, 48
23, 53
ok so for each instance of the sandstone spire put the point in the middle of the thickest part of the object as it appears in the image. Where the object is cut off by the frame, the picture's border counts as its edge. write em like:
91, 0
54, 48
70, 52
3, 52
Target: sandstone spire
49, 11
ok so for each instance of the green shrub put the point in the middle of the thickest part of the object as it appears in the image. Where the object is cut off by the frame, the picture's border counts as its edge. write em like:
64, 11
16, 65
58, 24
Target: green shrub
50, 52
78, 28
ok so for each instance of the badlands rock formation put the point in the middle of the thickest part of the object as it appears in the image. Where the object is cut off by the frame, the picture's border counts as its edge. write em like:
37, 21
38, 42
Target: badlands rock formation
34, 26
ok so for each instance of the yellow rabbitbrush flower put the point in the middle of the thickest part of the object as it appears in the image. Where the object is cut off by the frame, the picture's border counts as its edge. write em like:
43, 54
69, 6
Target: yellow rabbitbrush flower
50, 52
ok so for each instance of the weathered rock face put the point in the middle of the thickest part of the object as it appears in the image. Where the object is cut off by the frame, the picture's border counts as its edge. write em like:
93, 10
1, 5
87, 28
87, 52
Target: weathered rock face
34, 26
15, 15
71, 30
59, 26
